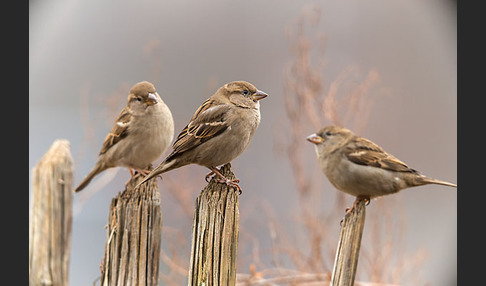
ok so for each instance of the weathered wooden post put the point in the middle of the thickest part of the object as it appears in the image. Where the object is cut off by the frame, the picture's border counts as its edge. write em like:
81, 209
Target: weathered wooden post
215, 234
346, 261
134, 236
50, 221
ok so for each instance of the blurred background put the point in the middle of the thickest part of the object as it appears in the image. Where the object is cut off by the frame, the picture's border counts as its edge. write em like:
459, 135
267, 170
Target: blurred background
386, 70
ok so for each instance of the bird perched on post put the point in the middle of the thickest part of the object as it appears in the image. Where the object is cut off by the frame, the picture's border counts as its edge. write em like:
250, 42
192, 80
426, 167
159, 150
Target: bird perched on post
359, 167
143, 130
218, 132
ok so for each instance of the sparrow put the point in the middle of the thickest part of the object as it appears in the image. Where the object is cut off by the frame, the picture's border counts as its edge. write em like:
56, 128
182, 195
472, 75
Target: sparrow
361, 168
218, 132
143, 130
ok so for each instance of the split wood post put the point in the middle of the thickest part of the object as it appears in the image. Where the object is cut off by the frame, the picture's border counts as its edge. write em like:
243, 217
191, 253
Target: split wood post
215, 234
50, 221
346, 261
134, 236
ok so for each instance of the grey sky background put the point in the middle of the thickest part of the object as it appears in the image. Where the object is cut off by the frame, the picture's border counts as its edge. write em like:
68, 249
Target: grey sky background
83, 52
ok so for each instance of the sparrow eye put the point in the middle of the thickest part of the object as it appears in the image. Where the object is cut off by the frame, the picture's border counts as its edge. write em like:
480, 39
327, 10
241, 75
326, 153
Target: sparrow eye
139, 98
328, 133
245, 92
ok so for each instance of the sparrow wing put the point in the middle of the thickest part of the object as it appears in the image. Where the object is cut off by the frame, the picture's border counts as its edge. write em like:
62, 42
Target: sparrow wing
119, 130
207, 122
364, 152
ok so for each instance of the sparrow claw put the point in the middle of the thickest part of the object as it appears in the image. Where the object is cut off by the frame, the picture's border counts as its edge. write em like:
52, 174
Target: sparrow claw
223, 180
349, 210
208, 176
140, 172
233, 183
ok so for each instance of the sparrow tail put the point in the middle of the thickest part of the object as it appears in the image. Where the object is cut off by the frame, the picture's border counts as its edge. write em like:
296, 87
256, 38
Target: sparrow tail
162, 168
438, 182
96, 170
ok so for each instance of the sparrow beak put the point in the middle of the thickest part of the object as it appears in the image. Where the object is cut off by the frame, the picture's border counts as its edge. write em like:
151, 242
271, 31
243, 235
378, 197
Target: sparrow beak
314, 138
259, 95
152, 99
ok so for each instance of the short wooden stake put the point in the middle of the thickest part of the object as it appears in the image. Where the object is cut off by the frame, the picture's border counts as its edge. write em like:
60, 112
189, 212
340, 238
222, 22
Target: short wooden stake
346, 261
134, 236
50, 221
215, 234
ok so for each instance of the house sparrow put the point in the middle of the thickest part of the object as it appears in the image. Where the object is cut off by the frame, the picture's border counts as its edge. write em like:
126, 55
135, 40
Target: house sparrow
218, 132
142, 132
361, 168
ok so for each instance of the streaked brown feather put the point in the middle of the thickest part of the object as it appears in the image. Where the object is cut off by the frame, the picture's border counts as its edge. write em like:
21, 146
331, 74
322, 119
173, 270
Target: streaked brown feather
117, 132
364, 152
202, 127
205, 106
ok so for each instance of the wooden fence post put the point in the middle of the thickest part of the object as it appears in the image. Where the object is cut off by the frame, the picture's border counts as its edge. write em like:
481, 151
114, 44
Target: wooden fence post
346, 261
50, 221
215, 234
134, 236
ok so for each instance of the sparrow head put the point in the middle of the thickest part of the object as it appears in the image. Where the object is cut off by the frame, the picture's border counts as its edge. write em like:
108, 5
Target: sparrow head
142, 95
330, 136
243, 94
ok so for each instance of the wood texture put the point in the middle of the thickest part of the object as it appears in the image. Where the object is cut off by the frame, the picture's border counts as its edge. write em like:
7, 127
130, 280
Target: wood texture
134, 236
215, 234
346, 261
50, 221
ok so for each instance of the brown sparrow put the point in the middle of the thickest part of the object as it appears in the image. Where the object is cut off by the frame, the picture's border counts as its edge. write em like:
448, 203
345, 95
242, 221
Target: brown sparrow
361, 168
218, 132
142, 132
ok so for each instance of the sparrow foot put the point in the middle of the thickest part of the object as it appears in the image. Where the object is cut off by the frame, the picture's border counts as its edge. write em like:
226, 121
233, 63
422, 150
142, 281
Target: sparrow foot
359, 198
140, 172
208, 176
222, 179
